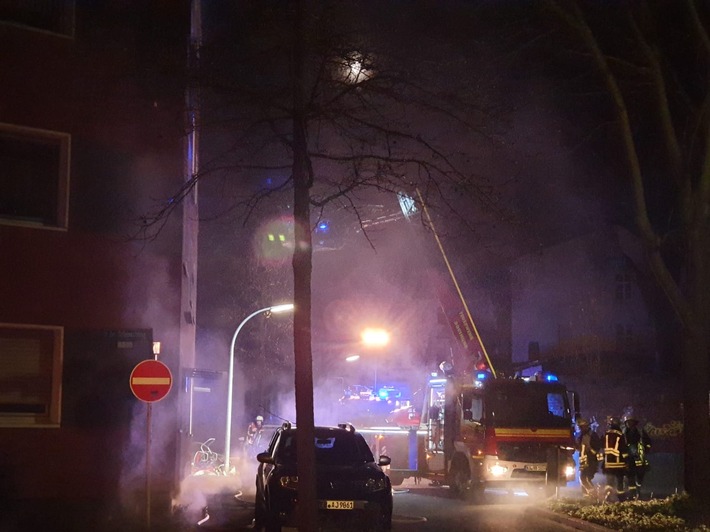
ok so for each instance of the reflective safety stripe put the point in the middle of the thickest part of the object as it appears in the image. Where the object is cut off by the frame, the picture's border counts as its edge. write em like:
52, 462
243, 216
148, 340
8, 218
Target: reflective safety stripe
531, 433
613, 458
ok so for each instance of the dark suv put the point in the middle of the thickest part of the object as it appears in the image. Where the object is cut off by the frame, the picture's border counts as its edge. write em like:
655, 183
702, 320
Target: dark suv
353, 491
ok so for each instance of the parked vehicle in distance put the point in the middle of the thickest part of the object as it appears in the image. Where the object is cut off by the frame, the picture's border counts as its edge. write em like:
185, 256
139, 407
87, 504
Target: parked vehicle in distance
353, 491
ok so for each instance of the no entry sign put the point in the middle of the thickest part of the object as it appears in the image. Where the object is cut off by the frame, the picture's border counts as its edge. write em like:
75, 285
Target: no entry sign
151, 380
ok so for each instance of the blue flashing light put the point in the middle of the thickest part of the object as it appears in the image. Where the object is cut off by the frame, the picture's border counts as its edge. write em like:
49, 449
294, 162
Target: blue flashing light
481, 375
389, 392
539, 376
323, 227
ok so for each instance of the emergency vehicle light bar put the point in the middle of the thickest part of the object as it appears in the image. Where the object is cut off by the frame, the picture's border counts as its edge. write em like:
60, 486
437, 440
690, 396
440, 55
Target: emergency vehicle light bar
548, 377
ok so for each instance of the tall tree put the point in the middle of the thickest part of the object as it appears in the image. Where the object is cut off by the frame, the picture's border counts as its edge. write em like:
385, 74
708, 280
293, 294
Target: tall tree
653, 61
328, 102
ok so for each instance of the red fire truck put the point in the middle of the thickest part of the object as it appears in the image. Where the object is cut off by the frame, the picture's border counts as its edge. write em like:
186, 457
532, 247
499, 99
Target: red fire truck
476, 429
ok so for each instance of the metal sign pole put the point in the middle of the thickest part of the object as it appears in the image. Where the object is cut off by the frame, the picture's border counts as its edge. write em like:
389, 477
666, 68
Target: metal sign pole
150, 381
147, 464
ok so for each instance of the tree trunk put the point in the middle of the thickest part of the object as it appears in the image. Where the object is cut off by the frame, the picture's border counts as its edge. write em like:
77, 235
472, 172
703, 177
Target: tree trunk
687, 299
696, 368
302, 270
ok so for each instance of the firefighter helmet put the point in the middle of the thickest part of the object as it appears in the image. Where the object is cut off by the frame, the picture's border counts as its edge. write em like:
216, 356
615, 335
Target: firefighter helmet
581, 422
630, 418
260, 418
614, 422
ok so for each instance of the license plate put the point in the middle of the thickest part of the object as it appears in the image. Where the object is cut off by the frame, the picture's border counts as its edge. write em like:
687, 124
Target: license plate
542, 467
339, 505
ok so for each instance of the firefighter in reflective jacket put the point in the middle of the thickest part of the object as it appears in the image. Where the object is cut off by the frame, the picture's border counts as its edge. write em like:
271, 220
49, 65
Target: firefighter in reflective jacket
254, 431
588, 445
614, 462
639, 444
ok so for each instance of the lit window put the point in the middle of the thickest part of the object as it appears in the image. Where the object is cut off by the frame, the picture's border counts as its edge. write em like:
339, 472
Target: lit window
34, 183
30, 374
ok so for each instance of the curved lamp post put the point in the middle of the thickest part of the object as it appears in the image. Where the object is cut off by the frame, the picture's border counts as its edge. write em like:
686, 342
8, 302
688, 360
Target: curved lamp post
228, 436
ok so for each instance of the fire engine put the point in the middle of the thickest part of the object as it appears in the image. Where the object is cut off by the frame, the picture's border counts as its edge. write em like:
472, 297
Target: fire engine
479, 431
476, 429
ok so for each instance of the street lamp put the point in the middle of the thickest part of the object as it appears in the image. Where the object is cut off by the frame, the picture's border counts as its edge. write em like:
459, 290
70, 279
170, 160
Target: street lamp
375, 337
228, 437
372, 337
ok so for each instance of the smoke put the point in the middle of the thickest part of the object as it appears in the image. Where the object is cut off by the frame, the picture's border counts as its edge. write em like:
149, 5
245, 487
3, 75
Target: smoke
197, 490
150, 301
134, 474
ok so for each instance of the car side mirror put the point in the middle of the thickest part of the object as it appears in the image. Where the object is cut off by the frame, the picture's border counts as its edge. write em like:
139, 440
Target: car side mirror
265, 458
384, 460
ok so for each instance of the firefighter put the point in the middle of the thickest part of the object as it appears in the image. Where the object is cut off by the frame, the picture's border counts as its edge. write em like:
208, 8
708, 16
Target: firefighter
436, 418
254, 431
614, 460
588, 445
639, 445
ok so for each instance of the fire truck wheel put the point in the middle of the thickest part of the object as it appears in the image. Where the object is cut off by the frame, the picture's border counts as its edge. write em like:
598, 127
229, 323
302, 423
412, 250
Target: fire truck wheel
459, 477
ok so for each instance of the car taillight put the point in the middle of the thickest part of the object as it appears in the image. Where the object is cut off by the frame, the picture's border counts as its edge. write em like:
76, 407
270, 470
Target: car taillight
375, 484
289, 483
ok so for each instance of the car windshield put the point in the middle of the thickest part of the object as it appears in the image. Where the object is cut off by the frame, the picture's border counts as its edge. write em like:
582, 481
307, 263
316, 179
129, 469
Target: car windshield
332, 448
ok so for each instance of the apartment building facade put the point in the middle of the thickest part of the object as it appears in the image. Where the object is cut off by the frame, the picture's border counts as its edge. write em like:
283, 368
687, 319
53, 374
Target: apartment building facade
91, 140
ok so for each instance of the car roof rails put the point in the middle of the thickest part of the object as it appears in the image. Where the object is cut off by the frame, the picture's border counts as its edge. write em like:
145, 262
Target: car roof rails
347, 426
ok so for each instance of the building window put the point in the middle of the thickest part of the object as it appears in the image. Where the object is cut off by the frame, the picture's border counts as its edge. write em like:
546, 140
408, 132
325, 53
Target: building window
623, 287
30, 375
54, 16
34, 183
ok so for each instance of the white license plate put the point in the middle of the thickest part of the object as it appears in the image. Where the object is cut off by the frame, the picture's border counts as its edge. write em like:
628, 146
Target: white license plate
339, 505
542, 467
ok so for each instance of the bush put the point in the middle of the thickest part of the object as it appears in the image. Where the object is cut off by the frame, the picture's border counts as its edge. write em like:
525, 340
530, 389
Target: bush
677, 513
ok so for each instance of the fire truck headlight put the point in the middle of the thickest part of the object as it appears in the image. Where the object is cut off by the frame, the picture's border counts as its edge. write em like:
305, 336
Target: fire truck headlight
569, 472
497, 470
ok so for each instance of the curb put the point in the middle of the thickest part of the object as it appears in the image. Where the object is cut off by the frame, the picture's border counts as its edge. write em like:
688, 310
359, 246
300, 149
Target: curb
566, 520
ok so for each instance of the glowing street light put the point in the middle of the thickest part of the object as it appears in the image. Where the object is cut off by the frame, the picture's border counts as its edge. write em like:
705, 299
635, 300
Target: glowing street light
373, 337
228, 437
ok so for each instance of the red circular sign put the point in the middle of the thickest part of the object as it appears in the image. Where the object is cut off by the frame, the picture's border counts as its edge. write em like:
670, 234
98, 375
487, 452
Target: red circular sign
151, 380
